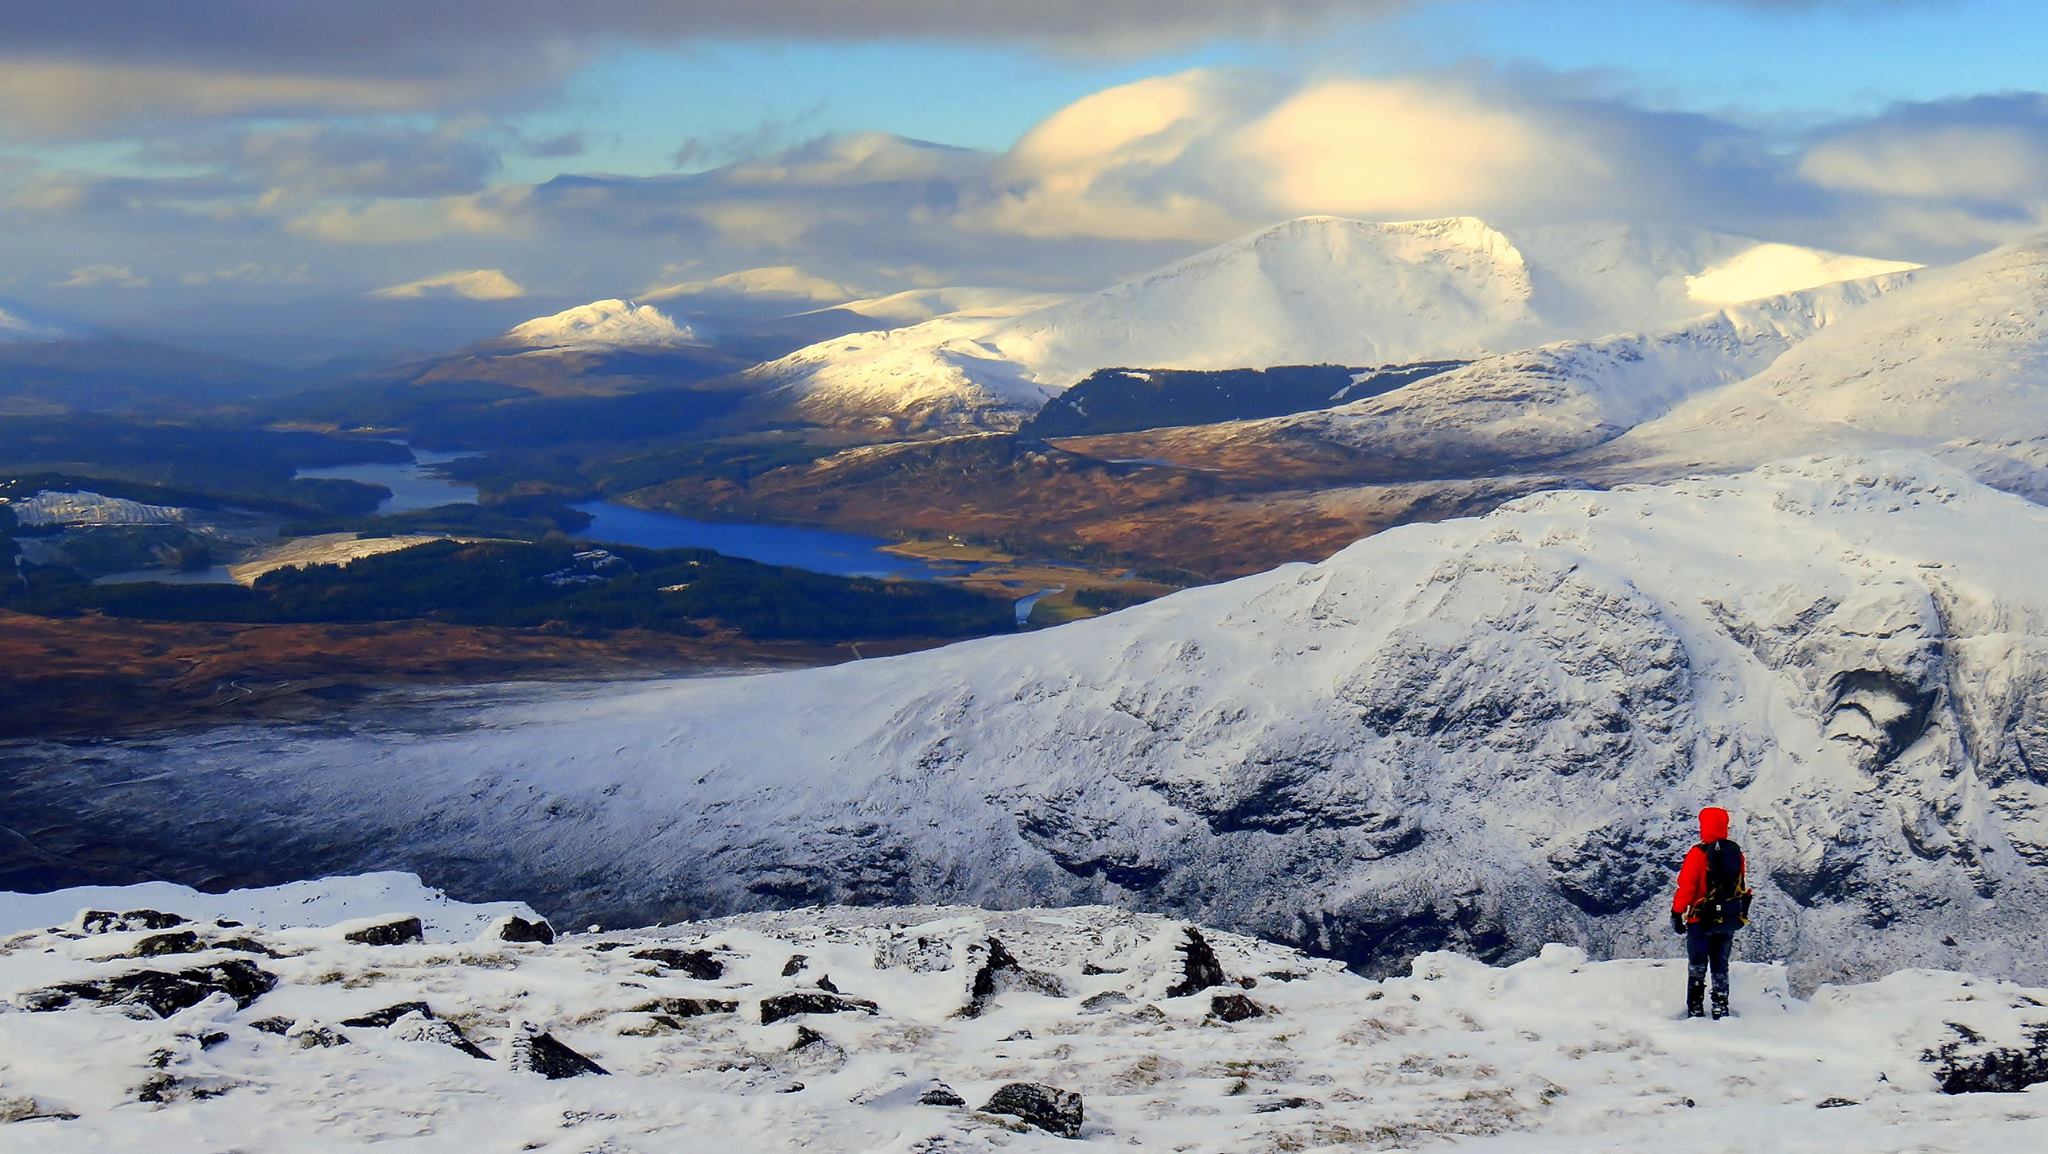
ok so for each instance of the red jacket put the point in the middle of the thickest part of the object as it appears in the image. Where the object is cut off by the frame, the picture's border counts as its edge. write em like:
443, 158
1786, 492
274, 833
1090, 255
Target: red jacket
1692, 876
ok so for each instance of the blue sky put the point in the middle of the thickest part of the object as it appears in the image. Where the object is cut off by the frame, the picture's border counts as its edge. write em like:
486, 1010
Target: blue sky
1782, 64
262, 170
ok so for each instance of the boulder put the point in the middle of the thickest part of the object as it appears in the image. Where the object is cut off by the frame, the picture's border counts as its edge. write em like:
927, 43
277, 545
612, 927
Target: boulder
1000, 971
698, 964
278, 1025
161, 992
1199, 967
1966, 1064
418, 1028
316, 1036
811, 1002
940, 1095
513, 928
1052, 1110
394, 932
1235, 1008
158, 945
534, 1049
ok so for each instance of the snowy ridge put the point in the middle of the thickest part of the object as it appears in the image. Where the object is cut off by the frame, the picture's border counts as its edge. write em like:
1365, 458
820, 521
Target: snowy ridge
357, 1045
1571, 395
1482, 734
83, 507
1956, 365
1314, 290
606, 324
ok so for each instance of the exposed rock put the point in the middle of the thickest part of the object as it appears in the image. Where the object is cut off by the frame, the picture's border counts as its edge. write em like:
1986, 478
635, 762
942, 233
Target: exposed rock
999, 972
807, 1002
244, 946
1106, 1000
22, 1108
940, 1095
417, 1028
1966, 1064
1199, 966
316, 1035
699, 964
1279, 1104
794, 964
396, 932
163, 993
686, 1007
277, 1024
513, 928
534, 1049
1051, 1110
158, 945
807, 1037
380, 1019
108, 922
1235, 1008
1835, 1103
826, 984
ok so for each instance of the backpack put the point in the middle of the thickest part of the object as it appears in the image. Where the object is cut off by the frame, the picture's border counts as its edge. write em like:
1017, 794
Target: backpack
1726, 902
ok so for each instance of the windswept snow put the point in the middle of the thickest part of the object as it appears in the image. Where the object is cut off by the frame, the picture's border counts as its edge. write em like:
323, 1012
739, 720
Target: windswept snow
606, 324
1483, 734
786, 282
1555, 1053
1314, 290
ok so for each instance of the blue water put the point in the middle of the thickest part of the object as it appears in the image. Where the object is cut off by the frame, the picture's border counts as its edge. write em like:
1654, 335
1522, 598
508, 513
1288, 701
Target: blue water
412, 487
819, 550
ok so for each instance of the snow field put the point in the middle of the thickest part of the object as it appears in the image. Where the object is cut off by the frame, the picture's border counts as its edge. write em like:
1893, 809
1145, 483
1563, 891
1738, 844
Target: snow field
1554, 1053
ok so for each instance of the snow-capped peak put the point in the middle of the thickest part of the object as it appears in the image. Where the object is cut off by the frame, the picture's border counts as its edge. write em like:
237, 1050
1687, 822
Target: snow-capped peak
602, 324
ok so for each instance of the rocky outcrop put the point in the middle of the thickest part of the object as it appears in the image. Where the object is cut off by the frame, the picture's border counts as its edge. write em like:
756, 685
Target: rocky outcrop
395, 932
161, 992
1052, 1110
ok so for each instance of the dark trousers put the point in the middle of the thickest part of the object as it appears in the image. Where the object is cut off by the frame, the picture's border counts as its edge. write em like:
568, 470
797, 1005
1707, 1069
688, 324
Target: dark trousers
1707, 948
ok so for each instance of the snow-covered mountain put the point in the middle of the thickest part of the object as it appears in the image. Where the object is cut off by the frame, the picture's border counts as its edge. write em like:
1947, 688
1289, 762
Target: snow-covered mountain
1545, 401
953, 1028
1314, 290
1957, 364
602, 325
1482, 734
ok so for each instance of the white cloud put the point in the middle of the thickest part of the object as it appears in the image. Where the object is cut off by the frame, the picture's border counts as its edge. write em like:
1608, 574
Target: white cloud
104, 276
477, 284
406, 221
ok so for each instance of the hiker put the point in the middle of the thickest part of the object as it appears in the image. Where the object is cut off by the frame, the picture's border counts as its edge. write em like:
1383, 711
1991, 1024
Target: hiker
1711, 904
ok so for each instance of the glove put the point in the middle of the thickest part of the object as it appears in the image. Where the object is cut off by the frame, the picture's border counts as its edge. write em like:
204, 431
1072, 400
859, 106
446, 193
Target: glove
1677, 922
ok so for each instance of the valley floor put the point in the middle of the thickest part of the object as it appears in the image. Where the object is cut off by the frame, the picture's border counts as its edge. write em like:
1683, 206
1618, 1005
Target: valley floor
94, 676
1273, 1051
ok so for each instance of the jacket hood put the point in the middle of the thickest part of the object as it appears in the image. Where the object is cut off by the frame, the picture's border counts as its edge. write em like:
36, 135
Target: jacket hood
1713, 824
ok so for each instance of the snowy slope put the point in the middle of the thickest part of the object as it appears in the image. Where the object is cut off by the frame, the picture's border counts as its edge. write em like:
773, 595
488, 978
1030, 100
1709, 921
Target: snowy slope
606, 324
1320, 290
83, 507
1553, 1054
1482, 734
1957, 364
1559, 397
